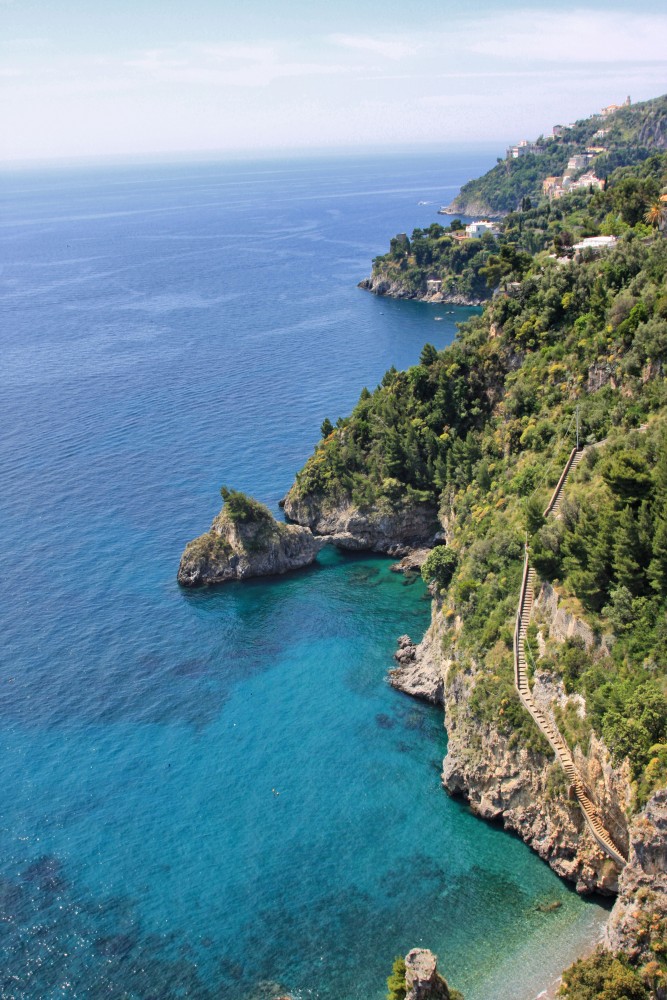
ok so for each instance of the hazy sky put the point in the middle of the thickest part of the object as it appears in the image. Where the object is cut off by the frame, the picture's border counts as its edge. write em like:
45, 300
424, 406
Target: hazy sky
99, 77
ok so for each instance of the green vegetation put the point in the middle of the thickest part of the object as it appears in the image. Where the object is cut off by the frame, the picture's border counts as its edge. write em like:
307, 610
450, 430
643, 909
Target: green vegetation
631, 135
472, 268
484, 427
396, 981
242, 509
603, 977
439, 567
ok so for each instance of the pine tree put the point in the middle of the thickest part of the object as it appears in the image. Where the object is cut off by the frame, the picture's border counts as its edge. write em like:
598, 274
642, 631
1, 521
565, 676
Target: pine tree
627, 570
657, 570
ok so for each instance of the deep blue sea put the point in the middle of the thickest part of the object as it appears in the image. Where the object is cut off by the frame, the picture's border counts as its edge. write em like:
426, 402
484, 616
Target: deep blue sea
215, 794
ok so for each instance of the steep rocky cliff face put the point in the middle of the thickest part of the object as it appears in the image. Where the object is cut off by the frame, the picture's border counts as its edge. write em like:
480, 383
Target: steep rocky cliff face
393, 528
234, 550
422, 979
393, 287
638, 922
529, 794
507, 783
525, 791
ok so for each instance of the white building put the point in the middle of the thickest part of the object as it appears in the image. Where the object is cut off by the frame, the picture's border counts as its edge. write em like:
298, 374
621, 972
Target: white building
596, 243
474, 230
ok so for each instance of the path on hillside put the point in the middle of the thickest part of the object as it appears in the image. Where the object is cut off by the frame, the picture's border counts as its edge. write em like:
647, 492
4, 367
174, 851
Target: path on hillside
546, 726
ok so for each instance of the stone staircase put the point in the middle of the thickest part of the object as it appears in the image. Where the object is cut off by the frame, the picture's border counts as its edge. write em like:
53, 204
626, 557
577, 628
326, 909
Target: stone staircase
546, 726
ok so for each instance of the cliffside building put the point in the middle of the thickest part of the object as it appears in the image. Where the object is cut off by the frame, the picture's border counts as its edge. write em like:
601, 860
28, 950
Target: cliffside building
522, 149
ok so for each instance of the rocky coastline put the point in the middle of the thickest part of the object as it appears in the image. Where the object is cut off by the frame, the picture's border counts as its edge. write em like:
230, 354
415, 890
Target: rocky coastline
470, 210
392, 528
526, 792
394, 288
237, 548
502, 781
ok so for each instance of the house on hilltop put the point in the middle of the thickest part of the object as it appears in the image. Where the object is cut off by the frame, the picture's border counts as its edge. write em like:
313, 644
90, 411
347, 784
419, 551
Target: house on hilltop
612, 108
522, 149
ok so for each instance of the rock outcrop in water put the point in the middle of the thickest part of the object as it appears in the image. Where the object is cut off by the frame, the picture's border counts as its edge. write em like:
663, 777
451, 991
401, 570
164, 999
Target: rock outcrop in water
394, 528
245, 540
422, 979
419, 671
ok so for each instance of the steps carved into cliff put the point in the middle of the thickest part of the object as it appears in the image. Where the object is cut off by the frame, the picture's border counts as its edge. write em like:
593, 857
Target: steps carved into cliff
546, 727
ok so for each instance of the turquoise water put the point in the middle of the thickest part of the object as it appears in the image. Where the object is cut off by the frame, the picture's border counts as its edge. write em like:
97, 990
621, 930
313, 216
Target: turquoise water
205, 791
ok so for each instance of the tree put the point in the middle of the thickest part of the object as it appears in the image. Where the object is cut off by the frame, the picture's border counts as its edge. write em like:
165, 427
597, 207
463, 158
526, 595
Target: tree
628, 569
657, 570
440, 566
656, 215
327, 428
602, 977
396, 989
428, 355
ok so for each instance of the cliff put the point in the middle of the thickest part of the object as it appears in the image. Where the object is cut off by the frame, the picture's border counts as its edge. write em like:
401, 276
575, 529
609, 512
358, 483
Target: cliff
505, 782
245, 540
384, 281
527, 791
638, 921
422, 979
385, 526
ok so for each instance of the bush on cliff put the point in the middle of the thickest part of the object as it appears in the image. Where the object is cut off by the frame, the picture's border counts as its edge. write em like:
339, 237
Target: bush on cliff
603, 977
242, 509
439, 567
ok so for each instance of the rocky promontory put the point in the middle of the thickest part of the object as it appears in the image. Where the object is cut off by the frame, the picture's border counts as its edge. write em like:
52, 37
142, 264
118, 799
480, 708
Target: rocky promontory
422, 979
245, 540
392, 527
392, 286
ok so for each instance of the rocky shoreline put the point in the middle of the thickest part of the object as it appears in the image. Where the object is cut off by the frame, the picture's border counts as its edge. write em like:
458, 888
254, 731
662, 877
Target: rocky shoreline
525, 791
391, 528
393, 289
472, 209
502, 781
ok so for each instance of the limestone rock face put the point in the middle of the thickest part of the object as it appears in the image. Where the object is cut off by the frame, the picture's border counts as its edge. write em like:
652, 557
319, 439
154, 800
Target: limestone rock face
419, 672
528, 792
392, 287
391, 528
412, 563
639, 916
422, 979
237, 550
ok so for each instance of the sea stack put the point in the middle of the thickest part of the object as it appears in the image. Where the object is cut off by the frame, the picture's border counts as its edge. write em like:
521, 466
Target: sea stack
245, 540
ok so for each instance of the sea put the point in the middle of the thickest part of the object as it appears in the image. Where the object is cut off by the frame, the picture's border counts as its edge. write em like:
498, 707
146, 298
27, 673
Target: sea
215, 793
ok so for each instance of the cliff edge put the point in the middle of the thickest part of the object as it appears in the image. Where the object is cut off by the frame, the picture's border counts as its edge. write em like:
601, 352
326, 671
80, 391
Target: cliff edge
392, 527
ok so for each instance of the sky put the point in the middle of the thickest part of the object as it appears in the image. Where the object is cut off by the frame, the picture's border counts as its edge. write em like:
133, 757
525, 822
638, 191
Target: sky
87, 78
